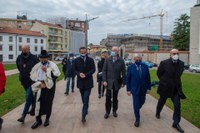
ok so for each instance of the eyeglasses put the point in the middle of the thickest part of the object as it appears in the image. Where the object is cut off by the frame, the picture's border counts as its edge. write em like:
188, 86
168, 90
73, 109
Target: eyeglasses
175, 53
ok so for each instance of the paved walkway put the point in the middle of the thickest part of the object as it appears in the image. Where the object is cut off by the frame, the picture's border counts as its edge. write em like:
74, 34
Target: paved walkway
11, 72
66, 117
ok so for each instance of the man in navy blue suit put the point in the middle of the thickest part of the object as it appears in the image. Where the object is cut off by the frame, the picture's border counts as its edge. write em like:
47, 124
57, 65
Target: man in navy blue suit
84, 69
138, 84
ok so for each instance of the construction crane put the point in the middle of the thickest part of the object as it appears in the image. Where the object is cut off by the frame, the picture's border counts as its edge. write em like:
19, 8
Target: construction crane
161, 15
87, 27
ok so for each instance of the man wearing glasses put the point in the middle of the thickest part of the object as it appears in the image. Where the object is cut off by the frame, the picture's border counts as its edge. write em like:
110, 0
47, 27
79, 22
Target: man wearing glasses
169, 73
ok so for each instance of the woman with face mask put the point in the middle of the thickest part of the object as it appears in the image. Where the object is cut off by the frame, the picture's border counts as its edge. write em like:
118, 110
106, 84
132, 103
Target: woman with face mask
101, 88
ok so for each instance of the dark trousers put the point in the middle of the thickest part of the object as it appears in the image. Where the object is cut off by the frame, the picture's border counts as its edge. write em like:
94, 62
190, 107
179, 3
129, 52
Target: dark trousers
138, 101
111, 94
177, 107
85, 94
101, 88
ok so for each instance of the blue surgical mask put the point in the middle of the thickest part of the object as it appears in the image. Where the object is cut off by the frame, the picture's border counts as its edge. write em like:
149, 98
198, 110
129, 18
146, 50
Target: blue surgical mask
113, 53
138, 62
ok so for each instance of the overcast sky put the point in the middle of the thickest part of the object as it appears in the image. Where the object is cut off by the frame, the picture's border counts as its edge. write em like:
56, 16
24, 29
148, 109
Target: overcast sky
111, 13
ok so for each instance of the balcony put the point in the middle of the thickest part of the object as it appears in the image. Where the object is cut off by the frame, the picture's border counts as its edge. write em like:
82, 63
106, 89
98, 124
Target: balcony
55, 34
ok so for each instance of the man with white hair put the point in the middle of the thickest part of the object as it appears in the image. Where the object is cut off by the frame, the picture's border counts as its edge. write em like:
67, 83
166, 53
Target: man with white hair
138, 84
169, 73
25, 62
113, 75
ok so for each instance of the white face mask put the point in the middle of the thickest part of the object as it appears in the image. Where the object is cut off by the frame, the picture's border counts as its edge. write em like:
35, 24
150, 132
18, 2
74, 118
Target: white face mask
175, 57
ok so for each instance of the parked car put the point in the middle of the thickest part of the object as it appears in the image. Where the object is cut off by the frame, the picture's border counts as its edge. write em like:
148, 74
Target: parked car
186, 66
194, 68
59, 58
128, 61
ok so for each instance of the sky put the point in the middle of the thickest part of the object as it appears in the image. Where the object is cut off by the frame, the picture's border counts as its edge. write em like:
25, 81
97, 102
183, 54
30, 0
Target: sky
112, 14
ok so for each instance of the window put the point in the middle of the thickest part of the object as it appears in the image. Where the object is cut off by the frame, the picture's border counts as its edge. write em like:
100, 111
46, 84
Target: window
10, 48
42, 48
35, 48
42, 41
20, 39
1, 47
10, 56
20, 48
10, 39
1, 38
28, 40
35, 40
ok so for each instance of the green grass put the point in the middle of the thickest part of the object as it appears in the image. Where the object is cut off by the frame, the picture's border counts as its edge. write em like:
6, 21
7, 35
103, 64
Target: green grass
9, 66
15, 93
190, 107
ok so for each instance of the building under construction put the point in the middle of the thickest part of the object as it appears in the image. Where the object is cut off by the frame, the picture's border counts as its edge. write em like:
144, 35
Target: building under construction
139, 42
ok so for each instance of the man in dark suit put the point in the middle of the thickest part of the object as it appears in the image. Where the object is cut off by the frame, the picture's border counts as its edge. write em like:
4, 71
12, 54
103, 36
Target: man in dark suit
84, 69
138, 83
113, 79
169, 73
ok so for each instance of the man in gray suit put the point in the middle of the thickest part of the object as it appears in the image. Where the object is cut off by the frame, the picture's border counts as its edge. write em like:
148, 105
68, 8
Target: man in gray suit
113, 79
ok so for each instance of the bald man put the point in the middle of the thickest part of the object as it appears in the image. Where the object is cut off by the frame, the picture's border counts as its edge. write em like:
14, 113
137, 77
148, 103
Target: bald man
169, 73
113, 75
25, 62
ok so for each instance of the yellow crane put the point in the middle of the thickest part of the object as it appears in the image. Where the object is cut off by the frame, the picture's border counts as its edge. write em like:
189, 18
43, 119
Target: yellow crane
161, 15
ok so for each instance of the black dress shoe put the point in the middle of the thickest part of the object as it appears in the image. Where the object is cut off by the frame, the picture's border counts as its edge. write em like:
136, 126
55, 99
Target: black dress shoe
178, 128
21, 119
115, 114
32, 112
137, 123
106, 116
36, 124
46, 123
158, 116
83, 120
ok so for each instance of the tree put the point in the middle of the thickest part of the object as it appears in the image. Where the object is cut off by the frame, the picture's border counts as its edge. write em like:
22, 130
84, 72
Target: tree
181, 33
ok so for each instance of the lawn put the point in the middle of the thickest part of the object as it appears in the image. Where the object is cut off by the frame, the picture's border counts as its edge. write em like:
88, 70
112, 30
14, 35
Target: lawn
190, 108
15, 94
9, 66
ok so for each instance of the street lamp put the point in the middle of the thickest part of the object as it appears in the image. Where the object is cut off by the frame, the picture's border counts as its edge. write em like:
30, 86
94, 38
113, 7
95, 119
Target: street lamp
87, 27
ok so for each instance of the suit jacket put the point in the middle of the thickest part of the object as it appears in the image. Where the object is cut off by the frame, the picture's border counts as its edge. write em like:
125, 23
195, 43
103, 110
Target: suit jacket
134, 82
114, 73
169, 74
24, 66
88, 68
100, 67
70, 70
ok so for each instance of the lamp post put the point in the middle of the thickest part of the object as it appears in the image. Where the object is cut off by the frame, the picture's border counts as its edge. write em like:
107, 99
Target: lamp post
87, 27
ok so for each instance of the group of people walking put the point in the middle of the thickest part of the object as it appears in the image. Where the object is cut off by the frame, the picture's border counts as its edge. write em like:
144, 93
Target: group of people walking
38, 77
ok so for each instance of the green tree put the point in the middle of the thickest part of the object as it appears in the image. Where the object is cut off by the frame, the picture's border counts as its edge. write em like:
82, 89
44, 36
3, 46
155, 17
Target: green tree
181, 33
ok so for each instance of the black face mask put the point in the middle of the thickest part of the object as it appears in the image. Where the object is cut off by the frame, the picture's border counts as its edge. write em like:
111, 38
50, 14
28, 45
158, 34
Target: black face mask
44, 62
25, 54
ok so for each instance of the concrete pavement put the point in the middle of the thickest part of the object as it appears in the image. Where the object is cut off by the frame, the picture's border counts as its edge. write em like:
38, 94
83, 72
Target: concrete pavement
66, 116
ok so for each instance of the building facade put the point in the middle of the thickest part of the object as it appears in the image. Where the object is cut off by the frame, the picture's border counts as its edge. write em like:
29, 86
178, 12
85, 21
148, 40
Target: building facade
16, 23
11, 42
195, 34
76, 40
57, 37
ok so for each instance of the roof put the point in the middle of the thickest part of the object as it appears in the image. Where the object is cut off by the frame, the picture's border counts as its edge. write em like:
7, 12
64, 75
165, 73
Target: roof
22, 32
49, 24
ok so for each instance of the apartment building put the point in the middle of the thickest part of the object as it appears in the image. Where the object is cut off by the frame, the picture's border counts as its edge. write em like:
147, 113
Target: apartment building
57, 41
11, 41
